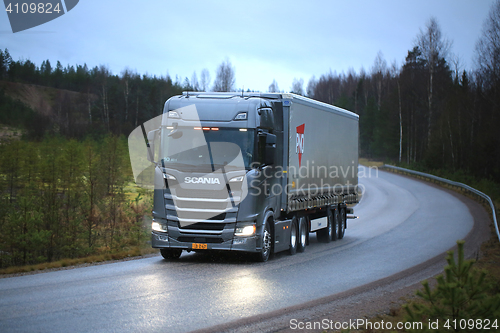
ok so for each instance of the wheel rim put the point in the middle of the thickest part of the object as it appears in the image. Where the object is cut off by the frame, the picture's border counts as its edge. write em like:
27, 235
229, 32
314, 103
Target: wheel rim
302, 234
266, 241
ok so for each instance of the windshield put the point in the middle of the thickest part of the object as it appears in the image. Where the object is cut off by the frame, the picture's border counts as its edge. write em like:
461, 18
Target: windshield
207, 149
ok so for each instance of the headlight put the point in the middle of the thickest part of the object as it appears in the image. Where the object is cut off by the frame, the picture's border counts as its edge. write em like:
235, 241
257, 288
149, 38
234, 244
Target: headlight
158, 226
248, 230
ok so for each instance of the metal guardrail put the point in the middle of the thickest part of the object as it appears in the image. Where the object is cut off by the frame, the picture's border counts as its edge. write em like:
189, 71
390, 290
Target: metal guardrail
457, 184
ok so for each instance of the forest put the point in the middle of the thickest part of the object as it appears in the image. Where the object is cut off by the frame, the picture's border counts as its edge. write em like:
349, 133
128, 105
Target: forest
427, 113
65, 186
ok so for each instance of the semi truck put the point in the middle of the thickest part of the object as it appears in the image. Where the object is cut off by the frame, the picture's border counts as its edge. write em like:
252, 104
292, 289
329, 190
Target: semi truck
251, 172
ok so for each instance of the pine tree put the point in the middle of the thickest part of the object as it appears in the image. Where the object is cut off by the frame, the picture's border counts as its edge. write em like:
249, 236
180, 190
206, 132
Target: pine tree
461, 293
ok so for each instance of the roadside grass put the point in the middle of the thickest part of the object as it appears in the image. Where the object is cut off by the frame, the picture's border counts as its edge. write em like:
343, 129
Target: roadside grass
370, 163
133, 192
74, 262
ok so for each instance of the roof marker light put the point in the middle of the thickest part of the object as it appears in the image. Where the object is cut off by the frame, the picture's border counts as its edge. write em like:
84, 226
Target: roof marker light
241, 116
173, 114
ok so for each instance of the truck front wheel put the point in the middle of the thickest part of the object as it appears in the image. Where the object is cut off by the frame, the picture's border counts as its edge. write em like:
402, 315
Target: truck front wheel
265, 252
170, 254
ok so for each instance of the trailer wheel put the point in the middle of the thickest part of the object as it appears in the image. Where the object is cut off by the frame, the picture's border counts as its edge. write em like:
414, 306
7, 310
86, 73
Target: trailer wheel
294, 237
265, 252
342, 223
335, 216
327, 234
170, 254
301, 246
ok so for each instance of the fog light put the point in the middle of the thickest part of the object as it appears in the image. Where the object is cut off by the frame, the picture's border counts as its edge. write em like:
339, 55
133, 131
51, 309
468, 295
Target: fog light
239, 241
162, 238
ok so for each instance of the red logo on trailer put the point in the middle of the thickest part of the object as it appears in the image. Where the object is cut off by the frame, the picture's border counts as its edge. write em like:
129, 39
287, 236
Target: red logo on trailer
299, 146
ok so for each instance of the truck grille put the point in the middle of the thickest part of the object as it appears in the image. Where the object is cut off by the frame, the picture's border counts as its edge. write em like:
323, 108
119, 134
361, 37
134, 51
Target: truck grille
204, 226
201, 211
202, 194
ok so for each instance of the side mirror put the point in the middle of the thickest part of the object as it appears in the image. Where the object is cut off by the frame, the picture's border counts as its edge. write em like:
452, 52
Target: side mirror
266, 118
151, 145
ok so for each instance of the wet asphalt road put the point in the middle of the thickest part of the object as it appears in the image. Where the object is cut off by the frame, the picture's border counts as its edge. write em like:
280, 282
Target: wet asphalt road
402, 223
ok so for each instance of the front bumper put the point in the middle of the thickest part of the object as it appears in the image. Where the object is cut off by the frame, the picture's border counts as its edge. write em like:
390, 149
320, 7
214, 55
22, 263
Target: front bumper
225, 241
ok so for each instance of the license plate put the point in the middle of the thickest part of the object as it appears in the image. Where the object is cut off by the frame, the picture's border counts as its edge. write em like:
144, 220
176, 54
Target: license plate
198, 246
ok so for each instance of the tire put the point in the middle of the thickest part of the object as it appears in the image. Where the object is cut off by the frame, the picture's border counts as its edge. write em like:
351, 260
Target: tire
265, 252
294, 237
170, 254
302, 240
343, 222
327, 234
335, 222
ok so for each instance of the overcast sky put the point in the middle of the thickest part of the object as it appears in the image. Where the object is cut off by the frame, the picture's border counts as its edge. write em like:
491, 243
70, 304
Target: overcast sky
264, 40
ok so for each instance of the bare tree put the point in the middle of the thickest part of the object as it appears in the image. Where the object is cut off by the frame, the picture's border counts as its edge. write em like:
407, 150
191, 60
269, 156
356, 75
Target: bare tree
433, 47
194, 82
224, 79
126, 74
456, 60
379, 70
311, 86
205, 79
488, 48
396, 74
103, 74
297, 86
273, 87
